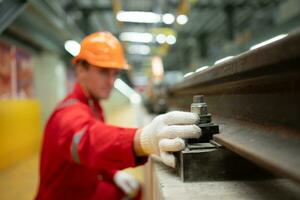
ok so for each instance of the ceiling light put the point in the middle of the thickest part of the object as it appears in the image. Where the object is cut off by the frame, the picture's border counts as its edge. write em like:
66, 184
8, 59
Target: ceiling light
161, 38
157, 68
72, 47
182, 19
139, 49
171, 39
278, 37
168, 18
127, 91
136, 37
135, 98
138, 17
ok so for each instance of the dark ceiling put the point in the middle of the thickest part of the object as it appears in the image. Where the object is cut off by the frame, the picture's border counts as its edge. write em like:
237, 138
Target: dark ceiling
214, 29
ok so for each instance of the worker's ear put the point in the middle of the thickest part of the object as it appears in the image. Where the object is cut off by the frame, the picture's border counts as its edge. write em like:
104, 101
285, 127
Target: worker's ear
81, 70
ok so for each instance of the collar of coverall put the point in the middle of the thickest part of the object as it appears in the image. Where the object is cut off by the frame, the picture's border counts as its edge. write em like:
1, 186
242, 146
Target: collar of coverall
78, 91
81, 96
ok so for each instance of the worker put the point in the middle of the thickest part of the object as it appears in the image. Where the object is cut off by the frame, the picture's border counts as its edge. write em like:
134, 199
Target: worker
82, 156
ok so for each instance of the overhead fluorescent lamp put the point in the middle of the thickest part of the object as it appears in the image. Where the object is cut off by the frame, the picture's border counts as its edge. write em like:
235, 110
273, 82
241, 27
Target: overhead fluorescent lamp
168, 18
72, 47
136, 37
188, 74
139, 49
121, 86
160, 38
182, 19
202, 68
138, 17
171, 39
223, 59
127, 91
157, 67
135, 98
278, 37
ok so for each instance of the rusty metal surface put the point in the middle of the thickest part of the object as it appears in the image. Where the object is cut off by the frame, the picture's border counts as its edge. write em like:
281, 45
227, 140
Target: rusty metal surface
273, 147
206, 162
275, 58
255, 97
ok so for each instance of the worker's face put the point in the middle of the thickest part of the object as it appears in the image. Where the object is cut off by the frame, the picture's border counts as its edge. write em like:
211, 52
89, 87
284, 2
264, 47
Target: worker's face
98, 81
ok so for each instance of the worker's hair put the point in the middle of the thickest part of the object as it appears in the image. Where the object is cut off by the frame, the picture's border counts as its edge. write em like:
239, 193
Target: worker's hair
84, 64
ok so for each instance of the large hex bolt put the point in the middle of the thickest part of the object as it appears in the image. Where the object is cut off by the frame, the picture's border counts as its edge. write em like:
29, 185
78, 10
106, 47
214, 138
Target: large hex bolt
208, 128
199, 107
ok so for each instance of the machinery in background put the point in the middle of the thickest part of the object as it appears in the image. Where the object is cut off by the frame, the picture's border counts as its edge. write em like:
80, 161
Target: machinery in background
155, 97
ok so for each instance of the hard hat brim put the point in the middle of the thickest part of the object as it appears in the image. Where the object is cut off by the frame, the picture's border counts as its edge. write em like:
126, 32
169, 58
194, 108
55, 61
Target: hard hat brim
111, 65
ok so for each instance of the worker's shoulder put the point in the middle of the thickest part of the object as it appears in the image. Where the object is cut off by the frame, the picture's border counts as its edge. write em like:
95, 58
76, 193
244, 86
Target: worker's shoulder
67, 111
71, 104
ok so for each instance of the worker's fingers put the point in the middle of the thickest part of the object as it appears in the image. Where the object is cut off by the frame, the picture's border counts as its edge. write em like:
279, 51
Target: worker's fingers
168, 159
181, 131
171, 145
134, 184
126, 187
179, 117
127, 183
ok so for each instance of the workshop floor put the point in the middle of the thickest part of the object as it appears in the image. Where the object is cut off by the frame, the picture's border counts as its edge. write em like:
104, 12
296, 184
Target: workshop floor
19, 182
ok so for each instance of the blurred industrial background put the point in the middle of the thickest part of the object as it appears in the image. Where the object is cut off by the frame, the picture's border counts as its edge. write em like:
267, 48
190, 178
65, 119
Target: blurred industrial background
166, 41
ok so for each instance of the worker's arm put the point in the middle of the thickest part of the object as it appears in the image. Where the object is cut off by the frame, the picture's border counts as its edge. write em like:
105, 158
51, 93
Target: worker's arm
98, 146
108, 175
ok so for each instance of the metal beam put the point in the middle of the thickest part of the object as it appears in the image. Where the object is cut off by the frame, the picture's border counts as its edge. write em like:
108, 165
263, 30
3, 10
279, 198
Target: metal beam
260, 61
273, 147
202, 41
255, 98
53, 13
14, 35
230, 15
9, 11
96, 9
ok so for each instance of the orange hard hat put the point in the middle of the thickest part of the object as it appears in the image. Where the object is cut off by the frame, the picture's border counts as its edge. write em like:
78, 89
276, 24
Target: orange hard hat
102, 49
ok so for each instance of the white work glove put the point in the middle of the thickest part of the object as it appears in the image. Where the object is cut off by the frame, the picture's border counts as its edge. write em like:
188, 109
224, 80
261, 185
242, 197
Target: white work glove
164, 134
127, 183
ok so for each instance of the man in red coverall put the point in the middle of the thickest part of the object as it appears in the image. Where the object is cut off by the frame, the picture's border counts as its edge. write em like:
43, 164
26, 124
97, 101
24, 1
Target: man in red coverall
82, 155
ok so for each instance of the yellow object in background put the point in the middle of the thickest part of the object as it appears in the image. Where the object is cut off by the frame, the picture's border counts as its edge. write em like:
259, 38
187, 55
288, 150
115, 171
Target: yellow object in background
20, 130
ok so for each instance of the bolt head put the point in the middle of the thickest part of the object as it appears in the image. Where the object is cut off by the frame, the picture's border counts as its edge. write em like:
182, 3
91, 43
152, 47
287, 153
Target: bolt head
198, 99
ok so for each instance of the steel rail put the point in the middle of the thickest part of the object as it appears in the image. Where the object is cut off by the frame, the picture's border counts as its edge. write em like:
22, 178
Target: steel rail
255, 97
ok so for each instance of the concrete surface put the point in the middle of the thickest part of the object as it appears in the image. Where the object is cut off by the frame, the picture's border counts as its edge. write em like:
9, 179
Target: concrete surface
167, 185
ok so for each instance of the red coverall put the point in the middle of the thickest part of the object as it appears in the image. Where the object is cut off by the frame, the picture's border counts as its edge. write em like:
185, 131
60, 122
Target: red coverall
81, 153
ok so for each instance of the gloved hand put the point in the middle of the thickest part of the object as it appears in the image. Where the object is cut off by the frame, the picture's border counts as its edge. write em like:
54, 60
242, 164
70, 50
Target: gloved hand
127, 183
164, 134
